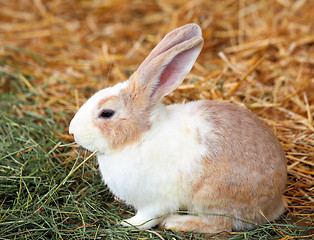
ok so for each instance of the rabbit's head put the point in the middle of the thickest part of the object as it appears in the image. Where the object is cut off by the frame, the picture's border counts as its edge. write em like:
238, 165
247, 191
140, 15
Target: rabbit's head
118, 116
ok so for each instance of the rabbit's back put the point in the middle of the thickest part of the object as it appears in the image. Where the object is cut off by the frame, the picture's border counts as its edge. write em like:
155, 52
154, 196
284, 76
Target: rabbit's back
240, 137
244, 169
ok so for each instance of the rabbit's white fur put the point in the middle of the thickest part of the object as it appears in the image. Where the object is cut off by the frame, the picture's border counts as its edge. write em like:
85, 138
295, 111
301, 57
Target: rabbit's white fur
85, 133
159, 170
207, 157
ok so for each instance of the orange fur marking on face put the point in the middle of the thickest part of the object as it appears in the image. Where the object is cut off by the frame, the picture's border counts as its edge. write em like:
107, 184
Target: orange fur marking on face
132, 119
103, 101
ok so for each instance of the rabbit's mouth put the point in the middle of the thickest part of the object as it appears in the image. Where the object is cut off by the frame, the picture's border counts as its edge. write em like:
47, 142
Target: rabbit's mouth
86, 135
82, 142
90, 141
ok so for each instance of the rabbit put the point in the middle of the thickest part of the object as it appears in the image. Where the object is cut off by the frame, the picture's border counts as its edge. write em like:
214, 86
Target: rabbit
215, 160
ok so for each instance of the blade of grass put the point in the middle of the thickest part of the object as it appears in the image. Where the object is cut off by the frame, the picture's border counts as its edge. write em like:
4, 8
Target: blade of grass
68, 176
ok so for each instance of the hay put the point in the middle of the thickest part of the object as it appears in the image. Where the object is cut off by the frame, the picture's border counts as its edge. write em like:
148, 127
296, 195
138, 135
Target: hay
256, 53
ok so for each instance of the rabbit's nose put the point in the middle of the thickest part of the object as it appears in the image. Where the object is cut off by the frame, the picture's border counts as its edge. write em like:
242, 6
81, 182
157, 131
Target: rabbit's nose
71, 128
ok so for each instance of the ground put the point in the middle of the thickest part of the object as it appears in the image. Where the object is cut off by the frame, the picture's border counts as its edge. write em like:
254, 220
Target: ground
55, 54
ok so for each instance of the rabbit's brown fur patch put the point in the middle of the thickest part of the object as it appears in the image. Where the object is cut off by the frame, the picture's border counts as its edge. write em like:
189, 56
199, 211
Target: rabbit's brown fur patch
129, 126
236, 182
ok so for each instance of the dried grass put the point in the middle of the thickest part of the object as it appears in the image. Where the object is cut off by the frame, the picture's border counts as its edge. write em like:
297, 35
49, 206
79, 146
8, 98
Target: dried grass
257, 53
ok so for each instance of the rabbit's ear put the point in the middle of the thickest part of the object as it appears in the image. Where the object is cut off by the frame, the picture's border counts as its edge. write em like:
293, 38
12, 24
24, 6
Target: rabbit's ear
169, 62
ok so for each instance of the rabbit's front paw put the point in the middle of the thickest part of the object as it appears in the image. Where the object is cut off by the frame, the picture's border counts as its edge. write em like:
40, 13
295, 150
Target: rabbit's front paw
140, 221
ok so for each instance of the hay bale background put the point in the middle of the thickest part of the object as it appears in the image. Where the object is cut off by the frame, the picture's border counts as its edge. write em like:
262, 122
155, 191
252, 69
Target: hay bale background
256, 53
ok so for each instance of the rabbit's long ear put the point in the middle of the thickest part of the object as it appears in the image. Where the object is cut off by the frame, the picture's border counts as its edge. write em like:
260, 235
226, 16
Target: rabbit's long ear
168, 64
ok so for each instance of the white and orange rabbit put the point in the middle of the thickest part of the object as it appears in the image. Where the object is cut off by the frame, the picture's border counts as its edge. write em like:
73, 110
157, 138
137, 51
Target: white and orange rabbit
209, 158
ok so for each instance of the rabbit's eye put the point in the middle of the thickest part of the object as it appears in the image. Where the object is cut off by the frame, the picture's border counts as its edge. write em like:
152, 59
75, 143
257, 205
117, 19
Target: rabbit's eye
106, 113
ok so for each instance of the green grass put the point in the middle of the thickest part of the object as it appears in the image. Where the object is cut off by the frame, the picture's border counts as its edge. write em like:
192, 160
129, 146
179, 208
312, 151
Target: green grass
46, 194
